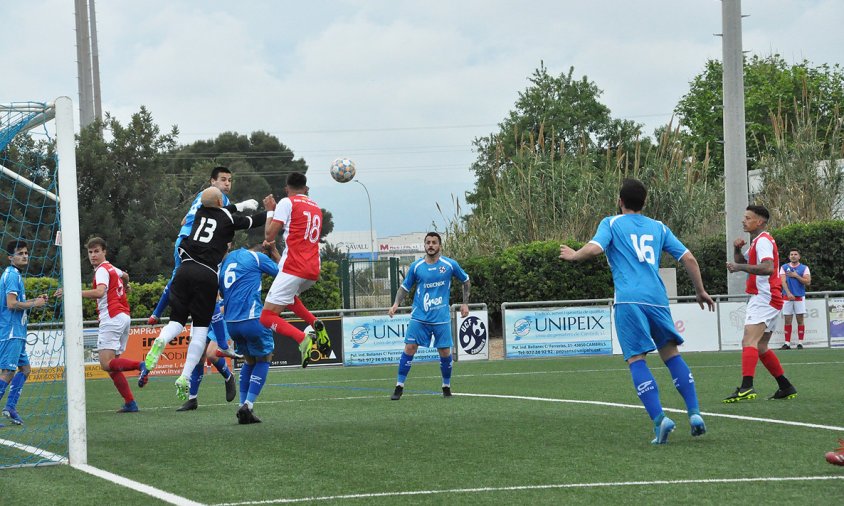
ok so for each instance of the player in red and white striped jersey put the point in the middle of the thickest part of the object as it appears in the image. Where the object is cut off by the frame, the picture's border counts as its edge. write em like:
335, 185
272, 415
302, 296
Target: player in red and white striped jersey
301, 220
761, 263
109, 289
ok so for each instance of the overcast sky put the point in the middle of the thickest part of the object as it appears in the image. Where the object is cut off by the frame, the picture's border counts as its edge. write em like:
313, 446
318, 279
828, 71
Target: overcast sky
400, 87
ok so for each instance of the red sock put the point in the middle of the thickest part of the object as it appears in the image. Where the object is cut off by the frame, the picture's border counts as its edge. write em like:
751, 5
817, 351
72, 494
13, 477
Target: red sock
788, 333
280, 325
122, 385
301, 311
801, 332
749, 357
771, 363
124, 364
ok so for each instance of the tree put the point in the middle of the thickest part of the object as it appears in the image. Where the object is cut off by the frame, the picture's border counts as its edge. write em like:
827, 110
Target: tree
772, 88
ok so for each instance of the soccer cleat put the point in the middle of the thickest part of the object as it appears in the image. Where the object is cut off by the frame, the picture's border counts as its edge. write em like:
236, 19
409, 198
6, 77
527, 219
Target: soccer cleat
323, 343
246, 416
788, 392
144, 376
231, 388
154, 353
741, 394
228, 353
153, 320
785, 347
12, 415
305, 348
698, 427
446, 391
397, 393
190, 405
799, 346
836, 458
182, 387
129, 407
661, 431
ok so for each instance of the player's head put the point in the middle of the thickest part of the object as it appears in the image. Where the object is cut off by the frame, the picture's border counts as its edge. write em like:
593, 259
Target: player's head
632, 194
433, 244
755, 218
97, 248
18, 253
794, 256
221, 177
212, 197
297, 183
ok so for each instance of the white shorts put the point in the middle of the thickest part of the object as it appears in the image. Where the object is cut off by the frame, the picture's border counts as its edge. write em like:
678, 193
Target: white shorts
114, 333
285, 287
791, 307
760, 311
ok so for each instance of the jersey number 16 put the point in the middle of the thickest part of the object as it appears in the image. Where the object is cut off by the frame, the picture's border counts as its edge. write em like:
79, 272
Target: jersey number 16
644, 251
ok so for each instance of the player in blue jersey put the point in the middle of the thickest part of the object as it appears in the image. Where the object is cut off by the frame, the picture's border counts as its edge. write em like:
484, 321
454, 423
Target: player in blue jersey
14, 363
633, 244
240, 285
430, 316
221, 178
217, 328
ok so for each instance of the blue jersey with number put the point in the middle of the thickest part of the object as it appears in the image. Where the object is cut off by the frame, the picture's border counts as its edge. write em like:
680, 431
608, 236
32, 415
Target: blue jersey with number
633, 244
197, 201
240, 283
12, 321
433, 283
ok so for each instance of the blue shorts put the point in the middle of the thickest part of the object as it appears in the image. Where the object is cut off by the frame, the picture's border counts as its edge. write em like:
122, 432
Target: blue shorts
641, 328
420, 333
13, 354
251, 338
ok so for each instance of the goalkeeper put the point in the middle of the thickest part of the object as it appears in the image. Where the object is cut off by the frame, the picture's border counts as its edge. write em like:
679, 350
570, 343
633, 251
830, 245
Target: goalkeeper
221, 178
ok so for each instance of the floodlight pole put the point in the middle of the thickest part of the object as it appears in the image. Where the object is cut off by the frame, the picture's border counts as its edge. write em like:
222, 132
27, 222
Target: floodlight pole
371, 233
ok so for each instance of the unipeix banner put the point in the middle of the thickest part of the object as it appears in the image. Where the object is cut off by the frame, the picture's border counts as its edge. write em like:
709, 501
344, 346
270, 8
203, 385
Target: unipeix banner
286, 351
472, 336
379, 340
557, 332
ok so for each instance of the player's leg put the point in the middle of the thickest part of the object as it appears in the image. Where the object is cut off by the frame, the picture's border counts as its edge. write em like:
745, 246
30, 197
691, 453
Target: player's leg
444, 343
416, 335
800, 309
215, 358
164, 300
769, 359
281, 294
788, 315
200, 303
322, 341
755, 324
17, 381
180, 290
836, 457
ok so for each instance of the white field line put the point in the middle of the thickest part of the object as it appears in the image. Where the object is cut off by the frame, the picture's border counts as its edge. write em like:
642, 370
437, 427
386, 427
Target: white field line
532, 487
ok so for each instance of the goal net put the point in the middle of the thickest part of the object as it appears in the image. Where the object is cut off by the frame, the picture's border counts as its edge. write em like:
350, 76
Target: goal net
42, 385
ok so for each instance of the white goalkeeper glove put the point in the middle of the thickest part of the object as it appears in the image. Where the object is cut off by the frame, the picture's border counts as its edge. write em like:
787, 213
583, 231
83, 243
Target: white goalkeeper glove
247, 205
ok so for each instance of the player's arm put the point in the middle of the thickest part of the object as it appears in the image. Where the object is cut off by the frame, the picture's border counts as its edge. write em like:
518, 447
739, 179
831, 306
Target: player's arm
738, 256
693, 270
249, 222
12, 302
271, 232
464, 308
94, 293
589, 250
402, 293
784, 284
763, 268
805, 279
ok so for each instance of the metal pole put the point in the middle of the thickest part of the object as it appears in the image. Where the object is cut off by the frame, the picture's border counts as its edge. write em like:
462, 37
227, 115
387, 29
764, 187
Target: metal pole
95, 62
735, 149
371, 236
83, 64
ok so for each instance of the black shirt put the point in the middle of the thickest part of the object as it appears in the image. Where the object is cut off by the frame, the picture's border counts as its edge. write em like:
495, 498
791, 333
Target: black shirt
213, 229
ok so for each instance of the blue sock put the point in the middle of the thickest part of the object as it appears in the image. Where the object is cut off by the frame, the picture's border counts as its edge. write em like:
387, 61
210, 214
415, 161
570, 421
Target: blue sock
3, 386
163, 302
684, 382
445, 368
646, 388
15, 388
196, 378
257, 380
223, 367
218, 325
245, 374
404, 367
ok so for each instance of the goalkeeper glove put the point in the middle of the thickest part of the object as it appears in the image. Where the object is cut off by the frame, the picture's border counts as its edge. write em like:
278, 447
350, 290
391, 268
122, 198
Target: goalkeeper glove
247, 205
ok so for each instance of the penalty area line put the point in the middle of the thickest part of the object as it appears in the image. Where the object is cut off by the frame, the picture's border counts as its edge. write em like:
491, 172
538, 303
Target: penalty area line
532, 487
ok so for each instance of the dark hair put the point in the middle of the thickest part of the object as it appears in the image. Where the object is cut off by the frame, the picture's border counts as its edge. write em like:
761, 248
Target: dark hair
632, 194
14, 245
96, 241
215, 173
795, 250
297, 180
434, 234
759, 211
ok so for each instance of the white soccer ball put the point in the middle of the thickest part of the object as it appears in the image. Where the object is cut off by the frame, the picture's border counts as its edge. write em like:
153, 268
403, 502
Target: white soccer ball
343, 170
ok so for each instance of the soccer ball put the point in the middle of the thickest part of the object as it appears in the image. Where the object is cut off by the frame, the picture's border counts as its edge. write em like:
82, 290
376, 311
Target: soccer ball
343, 170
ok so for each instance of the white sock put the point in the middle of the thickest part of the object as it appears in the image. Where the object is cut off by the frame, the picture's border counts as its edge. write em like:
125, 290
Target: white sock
168, 332
196, 350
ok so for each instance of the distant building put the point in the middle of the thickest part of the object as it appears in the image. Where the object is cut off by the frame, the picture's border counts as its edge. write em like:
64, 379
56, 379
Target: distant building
754, 184
405, 247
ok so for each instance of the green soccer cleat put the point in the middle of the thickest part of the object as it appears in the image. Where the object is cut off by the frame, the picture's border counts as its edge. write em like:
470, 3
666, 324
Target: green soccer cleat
322, 342
741, 394
154, 353
182, 387
305, 348
788, 392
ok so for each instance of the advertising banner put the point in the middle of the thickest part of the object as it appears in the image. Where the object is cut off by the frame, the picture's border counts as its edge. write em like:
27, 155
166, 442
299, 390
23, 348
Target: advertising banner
557, 332
472, 339
732, 326
699, 328
379, 339
286, 351
836, 322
